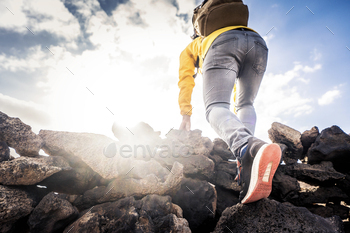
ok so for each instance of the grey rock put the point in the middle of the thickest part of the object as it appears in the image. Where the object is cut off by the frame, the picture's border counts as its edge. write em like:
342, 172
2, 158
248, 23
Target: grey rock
226, 198
319, 174
152, 213
14, 205
271, 216
86, 149
225, 174
197, 199
73, 181
120, 188
4, 152
279, 133
29, 171
321, 194
331, 145
19, 136
309, 137
284, 187
221, 148
52, 214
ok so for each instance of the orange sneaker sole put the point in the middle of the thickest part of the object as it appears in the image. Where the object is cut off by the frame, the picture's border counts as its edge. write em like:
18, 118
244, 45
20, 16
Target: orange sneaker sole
264, 167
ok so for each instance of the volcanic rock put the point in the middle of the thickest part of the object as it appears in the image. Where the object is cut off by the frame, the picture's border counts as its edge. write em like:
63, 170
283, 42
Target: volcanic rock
271, 216
152, 213
279, 133
309, 137
4, 152
19, 136
29, 171
14, 205
120, 188
52, 214
331, 145
319, 174
198, 200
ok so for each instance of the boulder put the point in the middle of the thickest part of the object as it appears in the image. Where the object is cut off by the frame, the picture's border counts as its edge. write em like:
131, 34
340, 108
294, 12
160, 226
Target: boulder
120, 188
331, 145
152, 213
73, 181
224, 176
319, 194
309, 137
271, 216
86, 149
190, 149
198, 199
221, 148
4, 152
320, 174
19, 136
279, 133
29, 171
329, 210
14, 205
226, 198
284, 187
52, 214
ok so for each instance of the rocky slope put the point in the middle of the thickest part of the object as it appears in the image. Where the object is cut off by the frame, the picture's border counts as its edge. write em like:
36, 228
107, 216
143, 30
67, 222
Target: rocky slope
183, 183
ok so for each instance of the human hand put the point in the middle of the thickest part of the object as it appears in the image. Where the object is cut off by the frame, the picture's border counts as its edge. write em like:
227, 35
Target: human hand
186, 123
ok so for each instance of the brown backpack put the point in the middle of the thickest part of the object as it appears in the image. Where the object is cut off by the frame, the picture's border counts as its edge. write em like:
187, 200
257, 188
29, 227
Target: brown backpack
212, 15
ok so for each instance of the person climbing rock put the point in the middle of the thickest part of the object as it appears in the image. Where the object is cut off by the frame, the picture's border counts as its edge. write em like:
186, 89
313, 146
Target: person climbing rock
230, 56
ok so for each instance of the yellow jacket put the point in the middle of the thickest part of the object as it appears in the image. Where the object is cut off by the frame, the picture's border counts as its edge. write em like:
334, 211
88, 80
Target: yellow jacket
198, 48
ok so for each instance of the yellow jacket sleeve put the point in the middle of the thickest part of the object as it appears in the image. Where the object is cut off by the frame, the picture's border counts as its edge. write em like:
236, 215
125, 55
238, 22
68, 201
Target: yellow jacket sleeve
186, 82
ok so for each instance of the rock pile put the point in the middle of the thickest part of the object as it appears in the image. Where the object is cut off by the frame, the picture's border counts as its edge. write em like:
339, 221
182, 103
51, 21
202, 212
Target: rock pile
183, 183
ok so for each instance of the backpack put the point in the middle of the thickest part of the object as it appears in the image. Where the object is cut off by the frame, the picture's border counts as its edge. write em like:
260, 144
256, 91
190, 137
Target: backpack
212, 15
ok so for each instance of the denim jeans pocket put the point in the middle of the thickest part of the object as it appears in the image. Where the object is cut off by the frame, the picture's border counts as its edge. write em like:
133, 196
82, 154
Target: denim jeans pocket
224, 49
260, 61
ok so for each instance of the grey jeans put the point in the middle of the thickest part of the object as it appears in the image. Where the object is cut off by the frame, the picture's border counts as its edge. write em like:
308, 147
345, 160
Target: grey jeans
236, 56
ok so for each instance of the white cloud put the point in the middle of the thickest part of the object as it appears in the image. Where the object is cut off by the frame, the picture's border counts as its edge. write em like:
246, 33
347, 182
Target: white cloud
29, 112
279, 99
329, 97
51, 16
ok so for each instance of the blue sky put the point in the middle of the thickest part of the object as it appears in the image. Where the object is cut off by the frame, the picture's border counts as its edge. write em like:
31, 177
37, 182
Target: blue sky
79, 66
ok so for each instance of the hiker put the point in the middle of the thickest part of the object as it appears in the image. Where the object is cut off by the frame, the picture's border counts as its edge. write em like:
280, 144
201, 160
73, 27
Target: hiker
229, 52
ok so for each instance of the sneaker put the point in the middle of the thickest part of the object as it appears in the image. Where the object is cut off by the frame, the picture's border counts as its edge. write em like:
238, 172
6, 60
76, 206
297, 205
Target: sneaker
256, 169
